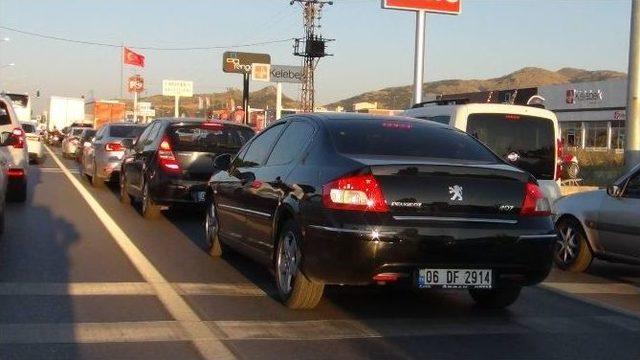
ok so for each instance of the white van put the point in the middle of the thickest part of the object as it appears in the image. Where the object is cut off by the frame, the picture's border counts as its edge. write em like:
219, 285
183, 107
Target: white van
525, 136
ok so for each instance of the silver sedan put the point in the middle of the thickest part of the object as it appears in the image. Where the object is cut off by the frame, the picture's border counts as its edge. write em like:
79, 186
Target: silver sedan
101, 160
602, 224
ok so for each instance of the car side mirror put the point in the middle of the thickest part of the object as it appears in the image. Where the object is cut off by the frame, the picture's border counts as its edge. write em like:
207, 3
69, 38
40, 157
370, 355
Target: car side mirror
128, 143
5, 138
222, 162
614, 191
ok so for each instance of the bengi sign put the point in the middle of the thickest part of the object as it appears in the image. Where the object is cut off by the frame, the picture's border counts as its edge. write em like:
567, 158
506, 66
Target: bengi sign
241, 63
452, 7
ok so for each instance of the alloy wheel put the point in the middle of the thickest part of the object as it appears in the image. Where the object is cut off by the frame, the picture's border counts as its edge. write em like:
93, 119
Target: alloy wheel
568, 246
145, 198
288, 261
211, 224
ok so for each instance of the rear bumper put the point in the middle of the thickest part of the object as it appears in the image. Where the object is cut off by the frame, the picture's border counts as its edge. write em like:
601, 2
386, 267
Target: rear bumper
176, 191
354, 255
108, 170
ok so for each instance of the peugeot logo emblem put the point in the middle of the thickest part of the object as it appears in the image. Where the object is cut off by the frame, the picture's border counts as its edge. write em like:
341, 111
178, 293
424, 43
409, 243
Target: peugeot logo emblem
513, 157
456, 192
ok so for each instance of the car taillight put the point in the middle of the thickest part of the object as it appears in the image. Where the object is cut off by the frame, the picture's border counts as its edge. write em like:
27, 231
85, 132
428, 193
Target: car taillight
534, 203
166, 158
113, 147
357, 193
19, 138
15, 173
560, 145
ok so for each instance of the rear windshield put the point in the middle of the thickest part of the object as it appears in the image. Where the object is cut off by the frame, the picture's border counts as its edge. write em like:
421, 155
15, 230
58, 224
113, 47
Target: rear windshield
442, 119
28, 128
4, 115
125, 131
525, 141
213, 139
88, 133
406, 139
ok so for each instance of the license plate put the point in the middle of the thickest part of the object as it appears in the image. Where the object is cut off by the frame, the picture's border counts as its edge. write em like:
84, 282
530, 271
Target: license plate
200, 196
455, 278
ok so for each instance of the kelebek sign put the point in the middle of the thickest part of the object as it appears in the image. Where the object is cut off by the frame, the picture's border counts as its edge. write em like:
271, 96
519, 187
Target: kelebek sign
435, 6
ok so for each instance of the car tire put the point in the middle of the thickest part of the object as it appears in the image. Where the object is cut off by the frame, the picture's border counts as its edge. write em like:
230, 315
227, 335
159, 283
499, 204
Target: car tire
214, 246
125, 198
572, 252
148, 209
295, 289
95, 180
497, 298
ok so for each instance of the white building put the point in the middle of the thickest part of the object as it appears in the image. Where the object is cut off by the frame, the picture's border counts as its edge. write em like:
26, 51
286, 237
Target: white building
591, 114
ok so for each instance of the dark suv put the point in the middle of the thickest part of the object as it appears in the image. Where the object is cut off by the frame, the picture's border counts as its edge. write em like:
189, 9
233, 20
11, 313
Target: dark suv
172, 160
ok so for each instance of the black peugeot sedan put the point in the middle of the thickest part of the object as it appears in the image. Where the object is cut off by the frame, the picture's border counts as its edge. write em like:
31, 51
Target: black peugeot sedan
358, 199
172, 161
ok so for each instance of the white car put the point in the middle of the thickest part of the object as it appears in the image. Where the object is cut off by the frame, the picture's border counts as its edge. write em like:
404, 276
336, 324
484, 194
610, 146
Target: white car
5, 139
34, 141
15, 152
71, 142
525, 136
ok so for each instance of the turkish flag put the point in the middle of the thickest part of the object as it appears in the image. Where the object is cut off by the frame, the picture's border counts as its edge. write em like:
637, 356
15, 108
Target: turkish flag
132, 58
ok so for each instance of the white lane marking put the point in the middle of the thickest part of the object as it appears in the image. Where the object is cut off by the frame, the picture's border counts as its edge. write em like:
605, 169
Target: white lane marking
219, 289
125, 288
57, 171
313, 330
173, 302
595, 288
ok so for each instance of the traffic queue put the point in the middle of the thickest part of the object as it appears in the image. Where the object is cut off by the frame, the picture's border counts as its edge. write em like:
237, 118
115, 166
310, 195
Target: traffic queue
444, 197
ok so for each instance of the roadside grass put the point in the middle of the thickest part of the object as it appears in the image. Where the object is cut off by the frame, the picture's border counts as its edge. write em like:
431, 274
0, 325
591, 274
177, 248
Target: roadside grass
599, 168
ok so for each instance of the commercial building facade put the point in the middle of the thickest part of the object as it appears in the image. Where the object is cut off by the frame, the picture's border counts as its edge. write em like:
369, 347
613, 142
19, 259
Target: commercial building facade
592, 115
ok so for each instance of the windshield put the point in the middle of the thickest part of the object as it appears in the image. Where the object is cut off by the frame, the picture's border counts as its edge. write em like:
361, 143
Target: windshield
525, 141
20, 100
215, 139
76, 132
29, 128
406, 139
125, 131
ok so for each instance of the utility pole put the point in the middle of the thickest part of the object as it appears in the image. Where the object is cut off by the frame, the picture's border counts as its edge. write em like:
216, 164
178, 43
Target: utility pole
311, 47
418, 66
632, 141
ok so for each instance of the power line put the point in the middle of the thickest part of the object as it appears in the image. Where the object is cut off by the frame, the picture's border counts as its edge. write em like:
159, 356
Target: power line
157, 48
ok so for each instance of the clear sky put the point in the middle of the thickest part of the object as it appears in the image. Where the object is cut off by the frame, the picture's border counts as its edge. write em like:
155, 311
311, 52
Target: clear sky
373, 47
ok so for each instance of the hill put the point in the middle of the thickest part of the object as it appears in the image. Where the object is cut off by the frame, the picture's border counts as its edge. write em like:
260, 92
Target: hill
257, 99
400, 97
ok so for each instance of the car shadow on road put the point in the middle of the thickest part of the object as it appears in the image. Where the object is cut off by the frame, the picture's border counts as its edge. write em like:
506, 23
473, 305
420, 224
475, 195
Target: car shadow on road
34, 250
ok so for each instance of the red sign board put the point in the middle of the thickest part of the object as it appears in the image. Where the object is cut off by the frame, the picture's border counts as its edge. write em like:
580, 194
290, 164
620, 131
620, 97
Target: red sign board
435, 6
136, 84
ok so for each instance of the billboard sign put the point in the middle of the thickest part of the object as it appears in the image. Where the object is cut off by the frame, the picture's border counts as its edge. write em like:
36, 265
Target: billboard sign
452, 7
135, 84
179, 88
286, 74
242, 63
261, 72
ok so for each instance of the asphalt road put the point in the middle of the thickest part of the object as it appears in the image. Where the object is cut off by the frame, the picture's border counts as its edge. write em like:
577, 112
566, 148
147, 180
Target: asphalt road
79, 283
